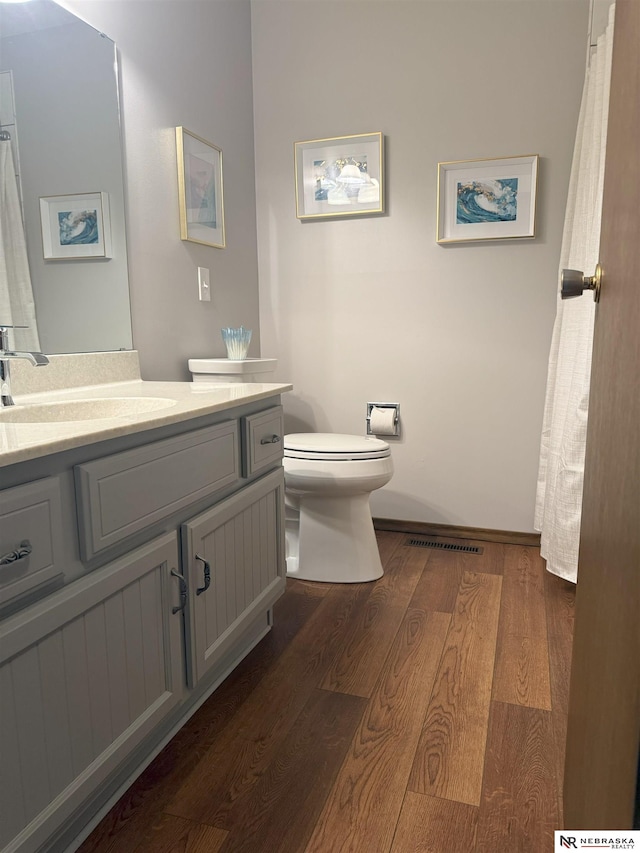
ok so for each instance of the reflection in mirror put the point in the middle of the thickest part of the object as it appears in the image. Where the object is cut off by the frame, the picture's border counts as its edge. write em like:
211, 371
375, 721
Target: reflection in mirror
59, 104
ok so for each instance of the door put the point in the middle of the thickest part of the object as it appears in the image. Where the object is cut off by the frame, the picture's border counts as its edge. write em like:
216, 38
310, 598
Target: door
233, 559
604, 704
85, 675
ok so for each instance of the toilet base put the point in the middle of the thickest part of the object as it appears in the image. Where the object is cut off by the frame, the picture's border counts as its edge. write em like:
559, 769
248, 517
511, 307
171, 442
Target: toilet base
332, 540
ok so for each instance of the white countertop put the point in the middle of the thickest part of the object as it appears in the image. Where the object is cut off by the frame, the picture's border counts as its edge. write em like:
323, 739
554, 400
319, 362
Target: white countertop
22, 441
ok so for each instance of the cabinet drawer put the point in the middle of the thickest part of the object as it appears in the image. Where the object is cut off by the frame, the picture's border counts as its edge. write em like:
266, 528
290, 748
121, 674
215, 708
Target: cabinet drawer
124, 493
30, 514
262, 435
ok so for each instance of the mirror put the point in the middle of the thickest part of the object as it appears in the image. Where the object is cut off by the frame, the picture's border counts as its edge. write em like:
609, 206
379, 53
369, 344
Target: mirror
59, 78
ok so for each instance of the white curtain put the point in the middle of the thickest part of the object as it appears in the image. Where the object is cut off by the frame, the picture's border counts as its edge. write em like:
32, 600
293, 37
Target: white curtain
17, 307
561, 470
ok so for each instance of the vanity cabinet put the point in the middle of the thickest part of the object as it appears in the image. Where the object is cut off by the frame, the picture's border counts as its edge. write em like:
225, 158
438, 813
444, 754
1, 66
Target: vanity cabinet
85, 676
180, 539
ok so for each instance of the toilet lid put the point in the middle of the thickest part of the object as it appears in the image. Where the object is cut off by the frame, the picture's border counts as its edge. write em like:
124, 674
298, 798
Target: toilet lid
334, 446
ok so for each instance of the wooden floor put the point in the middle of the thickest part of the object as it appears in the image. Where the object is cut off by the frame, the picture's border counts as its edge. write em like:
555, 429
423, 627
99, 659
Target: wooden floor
423, 712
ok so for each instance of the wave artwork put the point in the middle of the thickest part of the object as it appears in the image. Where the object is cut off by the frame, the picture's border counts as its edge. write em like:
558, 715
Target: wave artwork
78, 227
487, 201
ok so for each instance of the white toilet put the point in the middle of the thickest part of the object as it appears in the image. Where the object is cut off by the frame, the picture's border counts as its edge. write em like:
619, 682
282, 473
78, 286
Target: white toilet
328, 479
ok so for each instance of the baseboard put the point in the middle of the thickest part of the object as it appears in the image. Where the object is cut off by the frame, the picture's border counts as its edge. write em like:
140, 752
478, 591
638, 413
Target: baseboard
453, 531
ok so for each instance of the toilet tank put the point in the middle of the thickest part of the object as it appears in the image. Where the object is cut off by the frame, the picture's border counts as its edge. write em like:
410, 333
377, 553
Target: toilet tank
226, 370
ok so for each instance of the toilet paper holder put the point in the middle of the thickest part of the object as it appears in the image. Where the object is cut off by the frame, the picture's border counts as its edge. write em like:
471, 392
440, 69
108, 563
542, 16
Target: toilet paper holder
396, 416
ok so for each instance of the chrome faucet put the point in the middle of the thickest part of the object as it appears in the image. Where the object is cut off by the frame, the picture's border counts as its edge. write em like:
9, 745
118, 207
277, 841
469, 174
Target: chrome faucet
38, 359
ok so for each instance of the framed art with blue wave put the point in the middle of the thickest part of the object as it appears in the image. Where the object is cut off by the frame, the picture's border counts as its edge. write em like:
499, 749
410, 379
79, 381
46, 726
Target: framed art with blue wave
75, 226
487, 199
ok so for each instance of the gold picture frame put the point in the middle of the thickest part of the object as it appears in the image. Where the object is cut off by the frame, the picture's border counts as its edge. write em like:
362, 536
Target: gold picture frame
200, 191
488, 199
339, 176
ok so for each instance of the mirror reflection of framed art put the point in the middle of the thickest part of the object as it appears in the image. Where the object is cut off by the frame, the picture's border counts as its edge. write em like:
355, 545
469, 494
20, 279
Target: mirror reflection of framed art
75, 226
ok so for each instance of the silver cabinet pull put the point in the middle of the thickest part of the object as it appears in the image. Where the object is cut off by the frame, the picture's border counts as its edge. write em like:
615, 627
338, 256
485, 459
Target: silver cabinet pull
22, 551
207, 575
183, 591
273, 440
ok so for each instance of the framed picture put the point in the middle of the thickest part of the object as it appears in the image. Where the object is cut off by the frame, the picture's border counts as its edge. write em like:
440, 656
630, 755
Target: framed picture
487, 199
200, 190
75, 226
339, 177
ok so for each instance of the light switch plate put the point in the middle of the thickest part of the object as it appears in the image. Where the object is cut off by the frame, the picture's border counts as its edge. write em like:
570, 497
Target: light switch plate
204, 288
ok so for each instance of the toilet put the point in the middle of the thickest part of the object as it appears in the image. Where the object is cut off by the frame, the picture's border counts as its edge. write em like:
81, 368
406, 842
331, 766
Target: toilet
329, 531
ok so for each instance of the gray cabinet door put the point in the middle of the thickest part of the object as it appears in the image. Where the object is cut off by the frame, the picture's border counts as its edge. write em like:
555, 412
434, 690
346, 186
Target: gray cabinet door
85, 675
233, 557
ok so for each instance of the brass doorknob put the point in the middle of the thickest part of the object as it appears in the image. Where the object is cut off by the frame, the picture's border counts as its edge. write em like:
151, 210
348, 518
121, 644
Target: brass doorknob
575, 282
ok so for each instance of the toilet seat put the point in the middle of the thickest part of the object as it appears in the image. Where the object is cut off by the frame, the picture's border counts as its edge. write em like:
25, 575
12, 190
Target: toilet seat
334, 447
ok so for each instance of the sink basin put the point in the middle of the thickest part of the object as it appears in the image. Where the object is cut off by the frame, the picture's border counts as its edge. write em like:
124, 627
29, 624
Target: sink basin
63, 411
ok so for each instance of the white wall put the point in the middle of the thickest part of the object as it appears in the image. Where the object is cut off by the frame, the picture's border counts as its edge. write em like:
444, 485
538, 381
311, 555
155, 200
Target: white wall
371, 309
184, 62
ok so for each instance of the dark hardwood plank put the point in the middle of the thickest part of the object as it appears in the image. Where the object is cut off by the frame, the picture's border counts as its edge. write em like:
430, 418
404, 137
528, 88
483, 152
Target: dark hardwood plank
437, 589
356, 668
432, 825
363, 807
492, 558
145, 799
280, 811
440, 581
560, 599
522, 672
523, 598
242, 752
175, 835
560, 671
519, 808
450, 755
522, 664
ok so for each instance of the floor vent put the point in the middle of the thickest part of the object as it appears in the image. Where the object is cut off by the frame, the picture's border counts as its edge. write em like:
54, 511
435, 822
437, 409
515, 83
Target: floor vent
442, 546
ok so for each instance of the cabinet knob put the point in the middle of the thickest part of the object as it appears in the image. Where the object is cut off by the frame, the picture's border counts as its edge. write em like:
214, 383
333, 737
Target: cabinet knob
207, 575
274, 439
